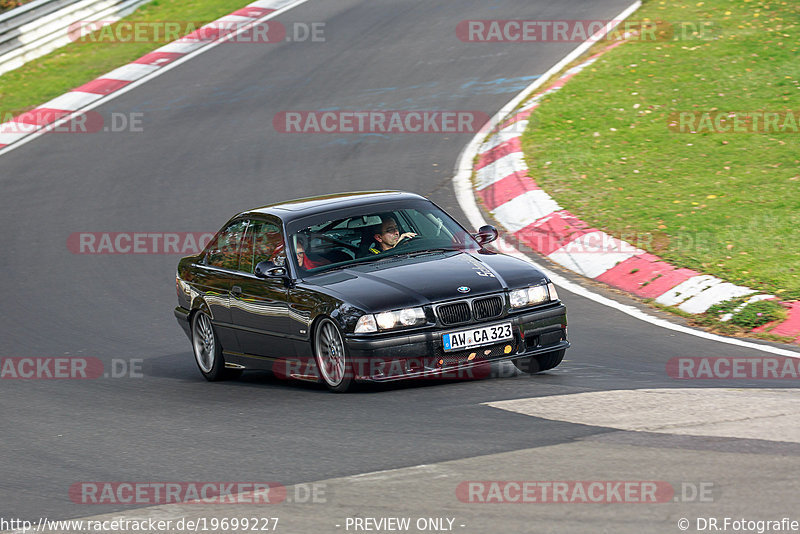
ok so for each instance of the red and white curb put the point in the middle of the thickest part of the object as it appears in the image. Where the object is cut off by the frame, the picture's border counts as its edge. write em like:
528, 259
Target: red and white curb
61, 108
536, 221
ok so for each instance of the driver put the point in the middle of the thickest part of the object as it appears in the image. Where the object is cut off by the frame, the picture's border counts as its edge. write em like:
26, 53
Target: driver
388, 235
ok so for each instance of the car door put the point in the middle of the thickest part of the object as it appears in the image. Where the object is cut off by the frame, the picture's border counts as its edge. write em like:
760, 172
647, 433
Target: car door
258, 305
215, 276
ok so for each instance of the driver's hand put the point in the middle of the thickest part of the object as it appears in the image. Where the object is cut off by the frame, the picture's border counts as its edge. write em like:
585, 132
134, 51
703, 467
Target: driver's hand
406, 235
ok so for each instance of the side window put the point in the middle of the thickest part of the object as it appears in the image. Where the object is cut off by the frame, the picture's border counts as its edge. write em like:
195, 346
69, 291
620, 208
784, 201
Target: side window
223, 252
264, 243
246, 251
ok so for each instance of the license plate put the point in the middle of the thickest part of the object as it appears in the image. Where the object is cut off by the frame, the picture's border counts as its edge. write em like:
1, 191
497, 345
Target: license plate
477, 337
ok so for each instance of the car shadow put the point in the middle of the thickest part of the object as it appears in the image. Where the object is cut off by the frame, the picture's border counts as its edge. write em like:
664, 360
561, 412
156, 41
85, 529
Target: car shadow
181, 366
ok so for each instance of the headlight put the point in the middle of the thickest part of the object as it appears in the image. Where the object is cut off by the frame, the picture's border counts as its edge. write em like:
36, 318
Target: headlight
519, 298
390, 320
386, 320
411, 316
537, 295
366, 324
531, 296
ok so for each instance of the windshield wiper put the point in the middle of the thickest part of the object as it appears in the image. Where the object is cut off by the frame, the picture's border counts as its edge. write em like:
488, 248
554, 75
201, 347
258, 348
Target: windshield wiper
351, 263
412, 253
382, 257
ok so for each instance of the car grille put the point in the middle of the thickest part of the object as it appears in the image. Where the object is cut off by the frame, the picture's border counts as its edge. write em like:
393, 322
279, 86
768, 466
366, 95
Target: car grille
481, 309
487, 308
455, 313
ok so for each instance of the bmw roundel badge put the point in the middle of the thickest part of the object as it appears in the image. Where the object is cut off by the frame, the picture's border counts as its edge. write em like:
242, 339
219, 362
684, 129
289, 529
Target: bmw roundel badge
463, 289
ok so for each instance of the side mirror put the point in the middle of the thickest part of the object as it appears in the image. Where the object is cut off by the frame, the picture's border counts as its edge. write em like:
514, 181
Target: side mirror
267, 269
486, 234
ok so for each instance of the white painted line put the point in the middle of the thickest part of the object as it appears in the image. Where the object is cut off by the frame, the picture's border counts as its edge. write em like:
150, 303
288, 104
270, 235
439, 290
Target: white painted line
12, 133
577, 68
286, 5
688, 289
534, 103
506, 134
181, 47
497, 170
714, 295
525, 210
12, 127
71, 101
270, 4
466, 200
231, 18
130, 72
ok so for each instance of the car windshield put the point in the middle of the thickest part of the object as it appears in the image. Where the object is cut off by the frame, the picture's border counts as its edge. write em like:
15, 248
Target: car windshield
372, 235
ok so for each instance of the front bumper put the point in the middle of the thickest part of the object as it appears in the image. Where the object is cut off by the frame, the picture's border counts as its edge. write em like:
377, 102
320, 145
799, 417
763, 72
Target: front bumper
390, 357
182, 315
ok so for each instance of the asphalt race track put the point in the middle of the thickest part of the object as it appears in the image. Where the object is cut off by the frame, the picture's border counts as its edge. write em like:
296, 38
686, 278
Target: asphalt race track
208, 149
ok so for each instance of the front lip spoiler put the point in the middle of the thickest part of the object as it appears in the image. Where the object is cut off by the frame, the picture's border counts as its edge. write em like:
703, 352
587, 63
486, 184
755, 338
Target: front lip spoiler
439, 371
182, 315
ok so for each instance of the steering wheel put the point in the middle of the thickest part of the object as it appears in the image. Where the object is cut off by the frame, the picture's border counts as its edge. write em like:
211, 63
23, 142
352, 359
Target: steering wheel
407, 240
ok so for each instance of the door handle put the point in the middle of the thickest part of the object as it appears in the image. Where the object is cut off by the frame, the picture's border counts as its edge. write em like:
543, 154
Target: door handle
236, 291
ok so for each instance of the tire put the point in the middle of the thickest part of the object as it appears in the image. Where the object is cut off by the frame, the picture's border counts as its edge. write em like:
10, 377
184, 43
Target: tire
540, 362
206, 348
330, 354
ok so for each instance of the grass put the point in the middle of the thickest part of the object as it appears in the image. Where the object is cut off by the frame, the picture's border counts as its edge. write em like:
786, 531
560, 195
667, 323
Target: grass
723, 204
742, 321
746, 316
79, 62
8, 5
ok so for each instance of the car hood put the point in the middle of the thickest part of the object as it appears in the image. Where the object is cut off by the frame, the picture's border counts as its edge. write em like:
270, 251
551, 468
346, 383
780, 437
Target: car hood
399, 282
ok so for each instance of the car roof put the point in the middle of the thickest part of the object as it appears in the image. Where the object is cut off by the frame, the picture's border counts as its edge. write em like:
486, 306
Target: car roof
303, 207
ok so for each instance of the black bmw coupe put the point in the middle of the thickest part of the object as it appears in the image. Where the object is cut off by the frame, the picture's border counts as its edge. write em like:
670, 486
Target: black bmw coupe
372, 286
